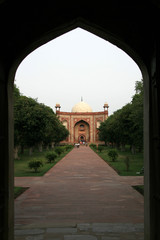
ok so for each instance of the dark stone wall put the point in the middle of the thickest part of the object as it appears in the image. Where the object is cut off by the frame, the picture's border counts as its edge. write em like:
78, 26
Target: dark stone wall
131, 25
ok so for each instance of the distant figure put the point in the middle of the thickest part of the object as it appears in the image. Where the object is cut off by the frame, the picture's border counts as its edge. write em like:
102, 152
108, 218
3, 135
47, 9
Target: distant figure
77, 145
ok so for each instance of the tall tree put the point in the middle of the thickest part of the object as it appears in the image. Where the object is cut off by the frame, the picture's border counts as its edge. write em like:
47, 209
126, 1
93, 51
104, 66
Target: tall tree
16, 133
137, 116
125, 126
35, 123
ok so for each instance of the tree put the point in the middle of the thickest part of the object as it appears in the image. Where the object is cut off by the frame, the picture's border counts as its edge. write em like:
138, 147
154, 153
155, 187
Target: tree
124, 122
16, 94
61, 132
115, 129
27, 121
107, 131
51, 156
137, 116
112, 154
35, 124
35, 164
125, 126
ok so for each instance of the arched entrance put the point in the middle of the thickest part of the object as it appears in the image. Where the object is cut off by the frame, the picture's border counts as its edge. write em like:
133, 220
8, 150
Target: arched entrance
138, 36
82, 128
81, 132
82, 138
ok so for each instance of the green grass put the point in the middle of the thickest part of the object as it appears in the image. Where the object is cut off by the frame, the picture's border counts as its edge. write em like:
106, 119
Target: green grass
18, 191
136, 162
140, 189
21, 166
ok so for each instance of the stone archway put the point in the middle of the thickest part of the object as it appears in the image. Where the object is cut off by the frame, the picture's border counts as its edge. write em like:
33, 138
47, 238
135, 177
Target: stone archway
81, 132
86, 27
82, 138
93, 31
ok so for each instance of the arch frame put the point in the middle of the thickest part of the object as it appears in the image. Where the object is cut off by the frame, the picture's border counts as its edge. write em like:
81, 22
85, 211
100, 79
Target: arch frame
83, 23
82, 133
100, 32
150, 72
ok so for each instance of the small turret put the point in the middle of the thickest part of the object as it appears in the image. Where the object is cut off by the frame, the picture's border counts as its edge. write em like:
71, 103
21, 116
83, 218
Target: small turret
106, 108
58, 107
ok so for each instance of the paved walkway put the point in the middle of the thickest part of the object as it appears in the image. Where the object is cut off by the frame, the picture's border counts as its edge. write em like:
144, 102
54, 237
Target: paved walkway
81, 198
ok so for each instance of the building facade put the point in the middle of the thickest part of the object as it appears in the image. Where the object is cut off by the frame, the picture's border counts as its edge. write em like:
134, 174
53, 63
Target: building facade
82, 123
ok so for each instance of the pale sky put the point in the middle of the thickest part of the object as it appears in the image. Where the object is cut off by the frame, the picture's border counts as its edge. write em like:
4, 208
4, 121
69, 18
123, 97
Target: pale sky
79, 64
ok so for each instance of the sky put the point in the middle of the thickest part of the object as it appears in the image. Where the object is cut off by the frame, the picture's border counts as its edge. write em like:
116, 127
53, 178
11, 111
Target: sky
78, 64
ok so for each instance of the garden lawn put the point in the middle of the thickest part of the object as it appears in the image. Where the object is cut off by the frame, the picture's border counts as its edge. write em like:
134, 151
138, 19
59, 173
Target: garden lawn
140, 189
21, 168
136, 162
18, 191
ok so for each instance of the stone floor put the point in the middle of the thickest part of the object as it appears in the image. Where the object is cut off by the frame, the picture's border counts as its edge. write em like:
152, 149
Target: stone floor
84, 231
80, 198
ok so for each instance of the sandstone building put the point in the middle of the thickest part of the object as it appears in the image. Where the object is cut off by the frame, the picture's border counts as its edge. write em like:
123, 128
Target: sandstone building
82, 122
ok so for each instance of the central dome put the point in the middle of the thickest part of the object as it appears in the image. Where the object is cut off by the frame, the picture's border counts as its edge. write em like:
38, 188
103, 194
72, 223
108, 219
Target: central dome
81, 107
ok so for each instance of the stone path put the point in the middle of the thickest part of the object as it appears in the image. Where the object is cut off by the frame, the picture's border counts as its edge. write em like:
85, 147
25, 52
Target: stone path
80, 198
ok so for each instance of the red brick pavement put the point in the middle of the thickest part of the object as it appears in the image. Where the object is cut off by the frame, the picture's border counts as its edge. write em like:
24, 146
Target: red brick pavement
80, 188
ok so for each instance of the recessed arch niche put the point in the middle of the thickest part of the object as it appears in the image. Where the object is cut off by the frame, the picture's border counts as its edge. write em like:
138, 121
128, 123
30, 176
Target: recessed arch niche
82, 131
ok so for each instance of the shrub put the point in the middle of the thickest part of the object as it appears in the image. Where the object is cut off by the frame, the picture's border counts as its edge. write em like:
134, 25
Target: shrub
35, 164
92, 145
59, 150
113, 155
100, 148
51, 156
68, 147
